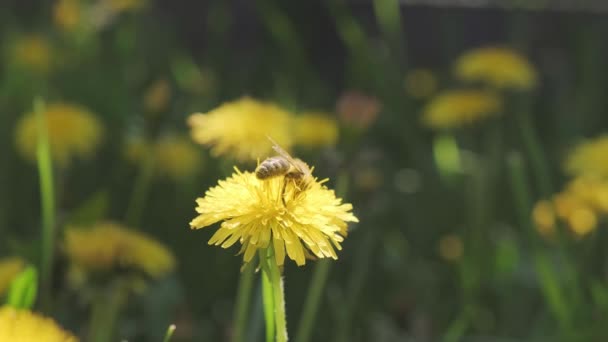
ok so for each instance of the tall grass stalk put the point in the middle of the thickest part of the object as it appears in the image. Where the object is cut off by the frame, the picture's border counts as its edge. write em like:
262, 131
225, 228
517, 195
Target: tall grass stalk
169, 333
47, 195
140, 190
243, 299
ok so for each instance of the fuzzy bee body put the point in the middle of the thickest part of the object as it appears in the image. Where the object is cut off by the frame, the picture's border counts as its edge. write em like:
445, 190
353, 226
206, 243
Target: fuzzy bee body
273, 167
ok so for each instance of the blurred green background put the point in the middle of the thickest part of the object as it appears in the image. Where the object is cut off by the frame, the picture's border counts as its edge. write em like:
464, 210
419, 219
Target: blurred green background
447, 248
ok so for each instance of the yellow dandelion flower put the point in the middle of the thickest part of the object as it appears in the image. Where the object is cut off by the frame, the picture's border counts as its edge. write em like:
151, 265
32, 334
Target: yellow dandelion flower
259, 212
109, 246
420, 83
543, 216
157, 96
73, 131
315, 129
33, 53
591, 190
456, 108
240, 129
582, 220
499, 67
175, 157
67, 14
589, 158
9, 268
25, 326
451, 247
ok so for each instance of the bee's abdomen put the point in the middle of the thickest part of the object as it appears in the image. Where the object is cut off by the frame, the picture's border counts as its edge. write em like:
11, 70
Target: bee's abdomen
271, 167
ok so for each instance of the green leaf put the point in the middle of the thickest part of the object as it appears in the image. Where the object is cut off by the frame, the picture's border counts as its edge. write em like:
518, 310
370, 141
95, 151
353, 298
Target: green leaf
23, 289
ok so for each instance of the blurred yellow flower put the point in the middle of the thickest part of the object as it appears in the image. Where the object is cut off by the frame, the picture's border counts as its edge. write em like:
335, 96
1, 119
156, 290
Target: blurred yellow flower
589, 158
358, 109
9, 268
315, 129
67, 14
73, 131
157, 96
25, 326
582, 220
240, 129
109, 246
175, 157
498, 67
451, 247
420, 83
543, 216
258, 212
32, 52
125, 5
456, 108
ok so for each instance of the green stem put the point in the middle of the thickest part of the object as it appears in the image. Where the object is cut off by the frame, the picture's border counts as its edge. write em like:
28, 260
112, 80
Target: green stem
278, 299
313, 299
140, 189
267, 297
106, 309
536, 154
243, 298
45, 172
169, 333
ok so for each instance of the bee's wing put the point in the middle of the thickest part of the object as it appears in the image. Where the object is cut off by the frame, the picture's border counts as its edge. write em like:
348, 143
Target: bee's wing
285, 155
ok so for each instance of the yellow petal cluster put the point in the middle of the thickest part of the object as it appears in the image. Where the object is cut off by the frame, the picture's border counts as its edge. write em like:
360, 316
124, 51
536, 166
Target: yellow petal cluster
175, 157
108, 246
9, 268
73, 131
589, 158
257, 213
67, 14
25, 326
32, 52
580, 206
456, 108
498, 67
240, 129
315, 130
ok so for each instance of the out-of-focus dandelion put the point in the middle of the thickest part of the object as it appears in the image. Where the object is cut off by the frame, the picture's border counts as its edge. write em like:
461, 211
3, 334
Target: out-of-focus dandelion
157, 96
455, 108
451, 247
258, 212
543, 216
498, 67
589, 158
9, 268
315, 130
175, 157
119, 6
420, 83
32, 52
108, 247
358, 109
67, 14
240, 129
26, 326
73, 131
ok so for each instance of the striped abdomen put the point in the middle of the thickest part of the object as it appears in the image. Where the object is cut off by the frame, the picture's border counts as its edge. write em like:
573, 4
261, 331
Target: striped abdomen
272, 167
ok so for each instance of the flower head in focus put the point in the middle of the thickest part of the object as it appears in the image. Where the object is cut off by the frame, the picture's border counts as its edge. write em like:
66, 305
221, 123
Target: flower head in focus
501, 68
9, 268
240, 129
108, 247
33, 53
25, 326
315, 129
589, 158
258, 212
175, 157
358, 109
420, 83
457, 108
73, 131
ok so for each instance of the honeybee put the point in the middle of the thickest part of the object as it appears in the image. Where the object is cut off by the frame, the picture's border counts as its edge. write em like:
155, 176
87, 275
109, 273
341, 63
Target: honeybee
285, 165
